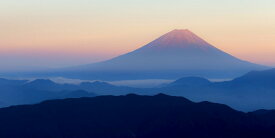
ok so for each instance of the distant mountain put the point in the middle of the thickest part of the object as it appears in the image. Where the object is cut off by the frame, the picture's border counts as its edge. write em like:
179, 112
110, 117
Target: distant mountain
43, 84
15, 92
176, 54
263, 79
254, 90
190, 81
101, 87
159, 116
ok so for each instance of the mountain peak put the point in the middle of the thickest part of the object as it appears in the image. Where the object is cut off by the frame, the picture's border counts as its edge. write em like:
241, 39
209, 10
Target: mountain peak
180, 31
180, 38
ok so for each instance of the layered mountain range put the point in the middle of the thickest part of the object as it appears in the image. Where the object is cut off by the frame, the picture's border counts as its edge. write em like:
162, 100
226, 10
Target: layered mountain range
254, 90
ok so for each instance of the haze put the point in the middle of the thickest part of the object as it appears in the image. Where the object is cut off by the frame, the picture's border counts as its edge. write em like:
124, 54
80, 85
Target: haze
57, 33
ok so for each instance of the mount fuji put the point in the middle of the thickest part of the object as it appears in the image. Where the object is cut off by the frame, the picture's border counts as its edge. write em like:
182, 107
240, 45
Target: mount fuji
175, 54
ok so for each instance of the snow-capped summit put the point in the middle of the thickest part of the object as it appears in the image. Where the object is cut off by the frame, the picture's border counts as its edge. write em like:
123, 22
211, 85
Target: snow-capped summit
180, 37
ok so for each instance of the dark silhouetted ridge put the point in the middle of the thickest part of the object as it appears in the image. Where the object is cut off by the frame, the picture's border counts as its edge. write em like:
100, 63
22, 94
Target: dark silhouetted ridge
129, 116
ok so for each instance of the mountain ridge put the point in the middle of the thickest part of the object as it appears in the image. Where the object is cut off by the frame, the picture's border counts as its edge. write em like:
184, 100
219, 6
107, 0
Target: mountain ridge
256, 89
158, 116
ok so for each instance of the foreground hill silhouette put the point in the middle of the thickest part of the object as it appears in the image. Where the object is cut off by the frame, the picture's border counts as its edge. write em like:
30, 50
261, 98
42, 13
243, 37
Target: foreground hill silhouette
129, 116
175, 54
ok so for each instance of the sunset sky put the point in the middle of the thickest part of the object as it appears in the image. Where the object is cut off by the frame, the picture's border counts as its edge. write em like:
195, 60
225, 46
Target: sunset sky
57, 33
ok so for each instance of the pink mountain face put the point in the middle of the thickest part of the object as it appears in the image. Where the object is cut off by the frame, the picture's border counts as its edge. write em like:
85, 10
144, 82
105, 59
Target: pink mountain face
183, 43
180, 49
180, 38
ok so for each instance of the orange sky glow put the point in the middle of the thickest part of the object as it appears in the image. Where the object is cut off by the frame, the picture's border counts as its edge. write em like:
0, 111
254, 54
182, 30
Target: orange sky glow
90, 31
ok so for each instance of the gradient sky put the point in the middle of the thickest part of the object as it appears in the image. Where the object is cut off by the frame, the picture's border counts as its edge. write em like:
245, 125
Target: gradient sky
56, 33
